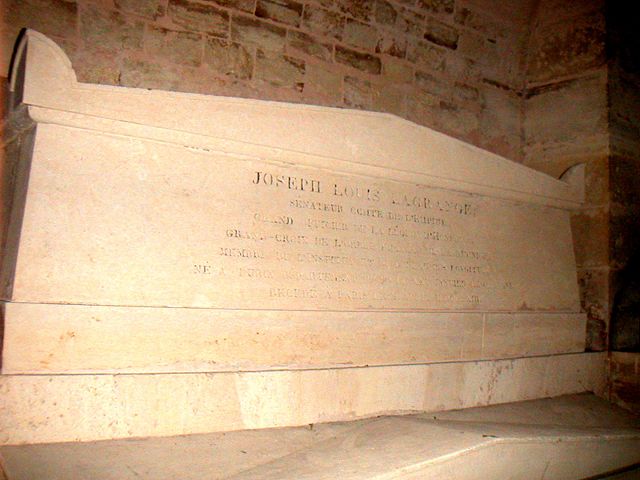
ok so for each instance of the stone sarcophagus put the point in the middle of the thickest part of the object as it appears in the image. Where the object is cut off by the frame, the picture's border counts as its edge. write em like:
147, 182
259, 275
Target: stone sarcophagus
179, 263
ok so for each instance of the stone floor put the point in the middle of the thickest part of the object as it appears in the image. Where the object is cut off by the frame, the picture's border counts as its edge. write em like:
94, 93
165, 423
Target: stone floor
633, 474
570, 437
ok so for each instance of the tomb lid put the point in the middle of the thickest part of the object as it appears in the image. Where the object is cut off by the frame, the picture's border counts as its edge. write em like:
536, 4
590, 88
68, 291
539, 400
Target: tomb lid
367, 143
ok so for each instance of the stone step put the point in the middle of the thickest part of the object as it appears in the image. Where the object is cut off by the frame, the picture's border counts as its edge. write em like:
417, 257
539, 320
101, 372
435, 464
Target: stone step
61, 339
570, 437
62, 408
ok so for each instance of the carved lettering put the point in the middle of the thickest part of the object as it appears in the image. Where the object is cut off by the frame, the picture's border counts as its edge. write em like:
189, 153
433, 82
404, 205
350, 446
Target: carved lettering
358, 243
286, 181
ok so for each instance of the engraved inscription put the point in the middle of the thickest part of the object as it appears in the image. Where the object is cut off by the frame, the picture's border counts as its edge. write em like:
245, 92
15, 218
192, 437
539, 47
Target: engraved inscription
367, 245
170, 226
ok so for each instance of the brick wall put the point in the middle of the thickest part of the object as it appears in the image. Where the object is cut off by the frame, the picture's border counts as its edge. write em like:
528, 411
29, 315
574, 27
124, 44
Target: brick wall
453, 65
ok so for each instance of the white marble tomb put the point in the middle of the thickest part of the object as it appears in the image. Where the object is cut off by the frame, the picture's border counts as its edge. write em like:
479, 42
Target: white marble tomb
289, 263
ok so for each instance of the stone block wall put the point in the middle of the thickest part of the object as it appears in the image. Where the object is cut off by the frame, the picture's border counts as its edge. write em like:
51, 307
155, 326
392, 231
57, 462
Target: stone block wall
453, 65
624, 161
550, 83
582, 104
566, 122
624, 380
624, 220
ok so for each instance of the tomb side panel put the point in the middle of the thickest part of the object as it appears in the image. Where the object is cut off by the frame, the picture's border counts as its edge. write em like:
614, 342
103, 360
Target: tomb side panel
58, 339
58, 408
117, 220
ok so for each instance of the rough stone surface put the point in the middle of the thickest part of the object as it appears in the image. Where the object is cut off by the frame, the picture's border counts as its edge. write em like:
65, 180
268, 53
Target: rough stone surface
391, 44
103, 68
441, 34
624, 236
594, 299
625, 311
228, 58
200, 17
591, 227
109, 31
624, 371
386, 13
358, 9
500, 120
280, 70
257, 32
282, 11
623, 177
569, 70
481, 21
437, 6
624, 161
391, 98
57, 18
360, 61
431, 84
145, 8
309, 45
182, 47
391, 445
564, 48
248, 6
358, 93
121, 406
411, 22
323, 22
397, 71
154, 43
139, 72
322, 85
581, 130
360, 35
598, 181
426, 56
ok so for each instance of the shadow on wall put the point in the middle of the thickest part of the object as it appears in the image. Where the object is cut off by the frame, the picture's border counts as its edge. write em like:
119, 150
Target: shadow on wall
625, 318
